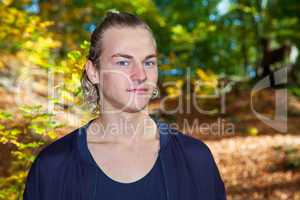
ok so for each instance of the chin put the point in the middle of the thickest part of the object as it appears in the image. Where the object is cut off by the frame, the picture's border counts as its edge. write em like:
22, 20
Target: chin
135, 108
131, 105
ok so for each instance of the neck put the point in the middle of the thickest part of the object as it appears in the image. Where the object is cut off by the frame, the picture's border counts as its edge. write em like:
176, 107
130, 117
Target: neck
124, 126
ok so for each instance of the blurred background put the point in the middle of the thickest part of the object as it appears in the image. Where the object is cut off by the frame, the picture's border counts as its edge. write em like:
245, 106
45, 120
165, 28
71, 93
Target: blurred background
240, 58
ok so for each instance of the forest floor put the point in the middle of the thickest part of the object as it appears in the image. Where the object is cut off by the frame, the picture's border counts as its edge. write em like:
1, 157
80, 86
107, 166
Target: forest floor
257, 167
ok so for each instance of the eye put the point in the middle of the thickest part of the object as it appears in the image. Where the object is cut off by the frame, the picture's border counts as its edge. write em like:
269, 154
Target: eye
150, 63
123, 63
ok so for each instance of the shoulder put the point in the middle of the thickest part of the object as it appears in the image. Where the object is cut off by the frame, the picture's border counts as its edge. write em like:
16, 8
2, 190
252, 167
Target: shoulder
201, 163
49, 166
57, 152
186, 142
192, 146
196, 153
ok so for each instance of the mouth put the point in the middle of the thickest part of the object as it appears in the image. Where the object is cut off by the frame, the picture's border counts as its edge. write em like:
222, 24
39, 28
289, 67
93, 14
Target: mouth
138, 90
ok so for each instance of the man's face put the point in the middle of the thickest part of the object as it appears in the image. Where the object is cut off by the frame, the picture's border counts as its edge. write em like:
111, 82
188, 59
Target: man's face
128, 68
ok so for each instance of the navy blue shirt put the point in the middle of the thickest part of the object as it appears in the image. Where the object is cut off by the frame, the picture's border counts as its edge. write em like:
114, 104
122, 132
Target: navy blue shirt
186, 165
149, 187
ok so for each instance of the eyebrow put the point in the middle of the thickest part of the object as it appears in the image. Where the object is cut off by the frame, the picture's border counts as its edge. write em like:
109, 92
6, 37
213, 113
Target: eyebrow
129, 56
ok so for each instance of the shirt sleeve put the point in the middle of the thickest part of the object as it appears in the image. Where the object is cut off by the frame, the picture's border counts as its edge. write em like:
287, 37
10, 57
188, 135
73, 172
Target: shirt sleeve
32, 184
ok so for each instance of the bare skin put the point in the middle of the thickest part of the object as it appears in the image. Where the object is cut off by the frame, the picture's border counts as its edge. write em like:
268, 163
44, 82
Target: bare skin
124, 160
125, 153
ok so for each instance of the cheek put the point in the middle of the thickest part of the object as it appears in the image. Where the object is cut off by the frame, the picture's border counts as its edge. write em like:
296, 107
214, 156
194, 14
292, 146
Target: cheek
153, 77
115, 81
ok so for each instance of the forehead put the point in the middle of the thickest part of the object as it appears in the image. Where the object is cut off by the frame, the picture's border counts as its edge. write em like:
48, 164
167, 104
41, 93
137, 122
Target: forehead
130, 40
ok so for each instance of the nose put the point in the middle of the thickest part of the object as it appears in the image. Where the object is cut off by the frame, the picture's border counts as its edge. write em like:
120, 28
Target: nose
139, 73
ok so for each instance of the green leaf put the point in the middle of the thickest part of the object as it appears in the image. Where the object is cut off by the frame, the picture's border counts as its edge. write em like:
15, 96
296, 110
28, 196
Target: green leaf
74, 55
5, 115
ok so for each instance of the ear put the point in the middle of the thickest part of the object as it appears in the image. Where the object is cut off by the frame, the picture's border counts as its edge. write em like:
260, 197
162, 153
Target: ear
92, 72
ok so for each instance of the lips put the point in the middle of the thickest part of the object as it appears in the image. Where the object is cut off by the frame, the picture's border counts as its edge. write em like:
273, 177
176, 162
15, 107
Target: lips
138, 90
